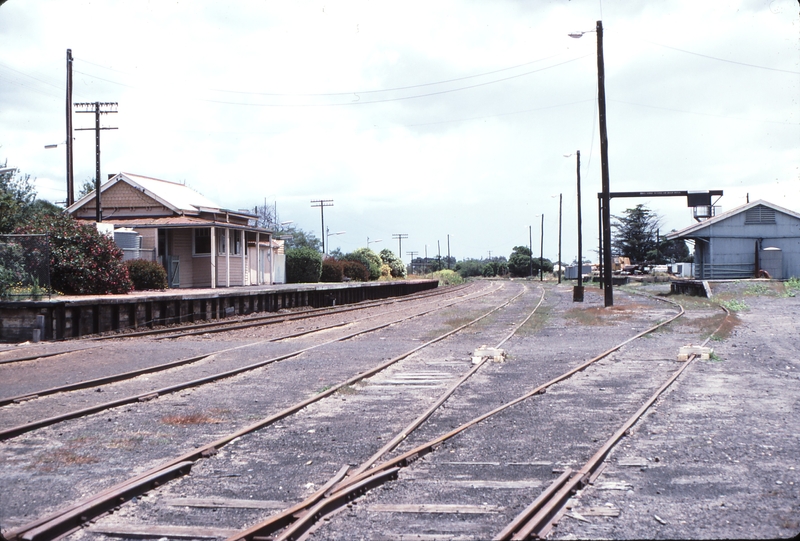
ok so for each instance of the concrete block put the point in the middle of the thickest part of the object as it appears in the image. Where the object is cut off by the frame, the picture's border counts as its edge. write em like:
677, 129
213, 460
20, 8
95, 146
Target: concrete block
686, 351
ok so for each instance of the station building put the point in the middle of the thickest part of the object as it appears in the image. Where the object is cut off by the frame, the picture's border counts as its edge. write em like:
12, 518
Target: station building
200, 244
756, 239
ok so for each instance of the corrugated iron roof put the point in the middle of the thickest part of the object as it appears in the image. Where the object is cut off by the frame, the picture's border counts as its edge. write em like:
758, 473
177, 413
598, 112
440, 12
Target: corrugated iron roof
176, 196
690, 231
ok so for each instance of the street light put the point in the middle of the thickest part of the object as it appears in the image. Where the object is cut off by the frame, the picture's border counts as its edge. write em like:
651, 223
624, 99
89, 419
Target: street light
372, 241
606, 194
328, 236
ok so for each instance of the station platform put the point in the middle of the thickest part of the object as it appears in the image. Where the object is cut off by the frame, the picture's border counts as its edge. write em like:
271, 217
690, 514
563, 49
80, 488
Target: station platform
73, 316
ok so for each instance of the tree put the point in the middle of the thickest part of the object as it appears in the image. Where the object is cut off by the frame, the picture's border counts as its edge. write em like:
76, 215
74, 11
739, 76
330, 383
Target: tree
672, 251
87, 187
266, 216
469, 267
636, 234
519, 263
299, 238
16, 196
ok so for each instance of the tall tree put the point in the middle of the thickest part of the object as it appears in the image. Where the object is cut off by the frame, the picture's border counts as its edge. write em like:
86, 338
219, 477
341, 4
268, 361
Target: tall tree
17, 194
636, 234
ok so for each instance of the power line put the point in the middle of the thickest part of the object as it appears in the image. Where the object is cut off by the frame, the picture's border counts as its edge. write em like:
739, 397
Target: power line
722, 59
357, 94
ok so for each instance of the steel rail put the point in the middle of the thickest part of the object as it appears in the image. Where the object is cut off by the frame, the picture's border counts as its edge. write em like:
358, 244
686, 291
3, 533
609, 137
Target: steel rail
315, 512
44, 355
150, 395
87, 384
45, 527
538, 519
412, 455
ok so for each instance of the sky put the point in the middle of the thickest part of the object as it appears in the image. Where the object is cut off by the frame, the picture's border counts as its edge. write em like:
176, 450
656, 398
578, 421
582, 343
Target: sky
435, 120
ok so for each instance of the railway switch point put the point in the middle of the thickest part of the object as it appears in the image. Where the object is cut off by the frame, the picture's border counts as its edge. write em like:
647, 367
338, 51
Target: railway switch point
686, 351
496, 354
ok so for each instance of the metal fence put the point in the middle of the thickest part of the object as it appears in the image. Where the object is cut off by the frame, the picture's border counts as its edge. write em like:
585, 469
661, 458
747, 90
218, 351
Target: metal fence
24, 266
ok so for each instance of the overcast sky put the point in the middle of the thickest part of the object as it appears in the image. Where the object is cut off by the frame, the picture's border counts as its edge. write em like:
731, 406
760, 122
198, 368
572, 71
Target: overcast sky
422, 118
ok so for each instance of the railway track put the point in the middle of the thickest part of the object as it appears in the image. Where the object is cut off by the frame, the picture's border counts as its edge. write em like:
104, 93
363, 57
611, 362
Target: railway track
350, 482
348, 382
13, 431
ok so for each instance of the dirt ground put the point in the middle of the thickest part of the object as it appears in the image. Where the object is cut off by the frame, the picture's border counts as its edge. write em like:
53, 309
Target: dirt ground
719, 455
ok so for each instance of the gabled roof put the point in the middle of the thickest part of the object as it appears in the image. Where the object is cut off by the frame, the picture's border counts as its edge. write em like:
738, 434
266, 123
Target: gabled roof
692, 230
178, 198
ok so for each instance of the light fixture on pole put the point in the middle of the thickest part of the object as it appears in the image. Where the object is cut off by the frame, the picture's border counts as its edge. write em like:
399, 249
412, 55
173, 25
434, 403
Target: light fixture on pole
328, 236
606, 193
372, 241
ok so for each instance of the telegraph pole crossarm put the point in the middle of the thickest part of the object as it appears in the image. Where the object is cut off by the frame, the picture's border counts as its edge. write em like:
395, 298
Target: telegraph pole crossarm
322, 203
97, 108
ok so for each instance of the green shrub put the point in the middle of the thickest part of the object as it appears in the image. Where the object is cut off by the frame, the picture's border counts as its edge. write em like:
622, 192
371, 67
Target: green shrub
355, 270
369, 259
303, 265
146, 274
386, 272
332, 271
447, 277
82, 261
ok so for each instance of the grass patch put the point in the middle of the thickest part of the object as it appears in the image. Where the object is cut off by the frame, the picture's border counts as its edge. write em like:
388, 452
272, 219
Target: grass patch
347, 390
599, 315
760, 288
196, 418
537, 321
446, 277
791, 287
734, 305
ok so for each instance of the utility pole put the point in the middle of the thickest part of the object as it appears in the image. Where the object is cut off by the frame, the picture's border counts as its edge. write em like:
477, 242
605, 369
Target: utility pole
601, 108
322, 203
448, 251
439, 256
559, 238
577, 293
530, 241
399, 237
97, 108
541, 253
70, 179
413, 255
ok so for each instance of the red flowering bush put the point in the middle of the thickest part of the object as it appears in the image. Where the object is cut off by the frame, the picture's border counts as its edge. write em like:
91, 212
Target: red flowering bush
332, 271
355, 270
82, 261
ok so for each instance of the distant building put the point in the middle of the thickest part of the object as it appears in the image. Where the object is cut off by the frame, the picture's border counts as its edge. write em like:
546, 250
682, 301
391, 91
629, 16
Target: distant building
198, 242
758, 238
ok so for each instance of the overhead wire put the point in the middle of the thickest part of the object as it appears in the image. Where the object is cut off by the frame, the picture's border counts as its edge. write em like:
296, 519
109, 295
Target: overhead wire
722, 59
357, 94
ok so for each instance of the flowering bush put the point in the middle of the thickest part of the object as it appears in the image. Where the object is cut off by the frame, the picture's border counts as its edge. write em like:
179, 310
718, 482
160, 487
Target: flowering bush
332, 271
355, 270
82, 261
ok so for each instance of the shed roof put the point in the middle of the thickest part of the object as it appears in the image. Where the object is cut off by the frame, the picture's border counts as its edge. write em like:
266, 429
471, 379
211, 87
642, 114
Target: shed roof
696, 230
